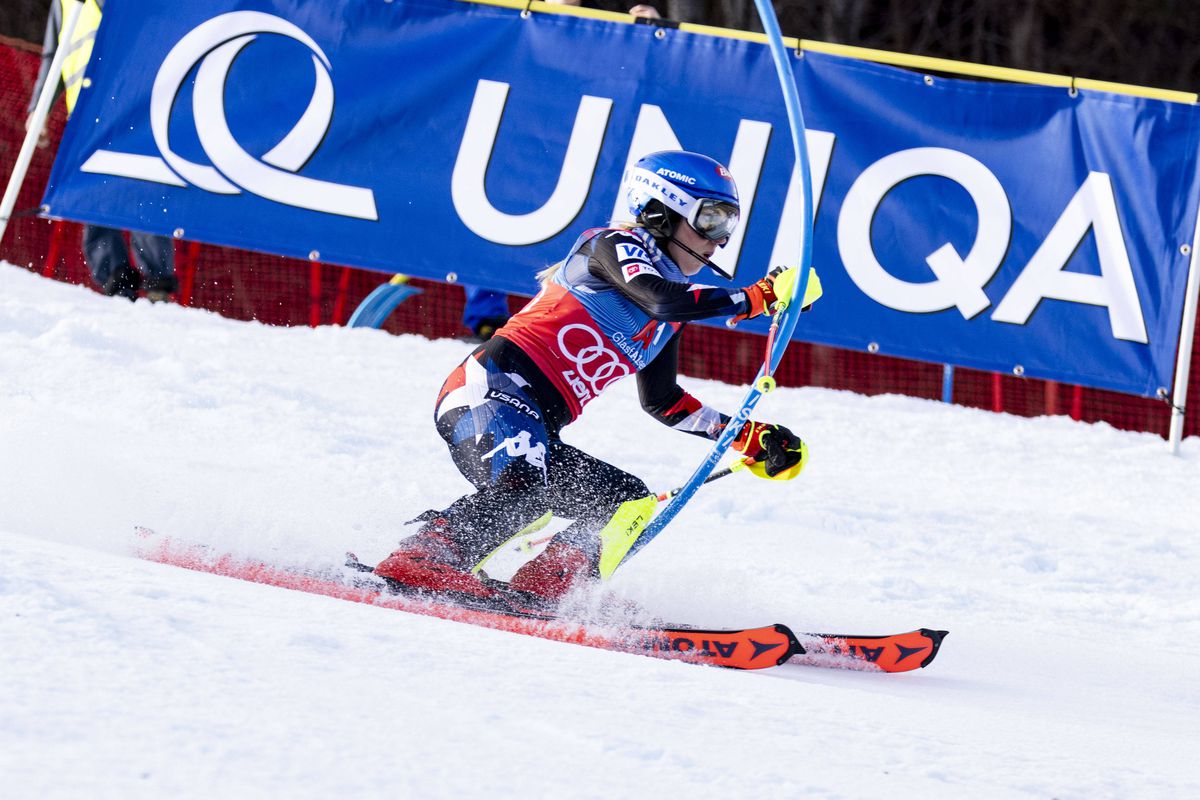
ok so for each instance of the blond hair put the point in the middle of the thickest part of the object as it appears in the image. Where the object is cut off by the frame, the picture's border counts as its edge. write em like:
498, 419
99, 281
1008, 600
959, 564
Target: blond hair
544, 276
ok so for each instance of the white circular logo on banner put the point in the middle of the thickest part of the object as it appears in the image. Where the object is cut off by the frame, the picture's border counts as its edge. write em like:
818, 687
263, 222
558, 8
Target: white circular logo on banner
212, 47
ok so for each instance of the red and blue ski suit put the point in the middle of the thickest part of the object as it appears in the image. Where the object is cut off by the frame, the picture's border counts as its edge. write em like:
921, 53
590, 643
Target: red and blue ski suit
615, 307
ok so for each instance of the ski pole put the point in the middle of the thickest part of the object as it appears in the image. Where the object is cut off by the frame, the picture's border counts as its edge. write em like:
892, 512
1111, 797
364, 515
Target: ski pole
736, 466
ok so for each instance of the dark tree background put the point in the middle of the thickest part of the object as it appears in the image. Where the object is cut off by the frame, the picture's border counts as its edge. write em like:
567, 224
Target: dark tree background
1151, 42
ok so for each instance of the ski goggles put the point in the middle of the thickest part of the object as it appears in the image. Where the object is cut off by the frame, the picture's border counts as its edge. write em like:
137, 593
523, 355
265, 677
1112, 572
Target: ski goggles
713, 219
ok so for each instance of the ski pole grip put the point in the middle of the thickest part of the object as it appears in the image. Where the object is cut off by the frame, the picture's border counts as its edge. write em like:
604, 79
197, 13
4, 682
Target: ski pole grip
785, 289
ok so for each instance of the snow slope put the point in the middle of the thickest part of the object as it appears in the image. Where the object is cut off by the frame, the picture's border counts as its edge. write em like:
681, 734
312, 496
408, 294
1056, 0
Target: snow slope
1062, 557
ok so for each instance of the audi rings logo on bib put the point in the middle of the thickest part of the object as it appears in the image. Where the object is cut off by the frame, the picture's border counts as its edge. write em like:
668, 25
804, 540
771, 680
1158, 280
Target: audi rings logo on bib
211, 48
596, 365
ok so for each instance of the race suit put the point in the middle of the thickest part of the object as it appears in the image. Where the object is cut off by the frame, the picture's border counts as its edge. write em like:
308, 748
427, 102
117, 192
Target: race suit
615, 307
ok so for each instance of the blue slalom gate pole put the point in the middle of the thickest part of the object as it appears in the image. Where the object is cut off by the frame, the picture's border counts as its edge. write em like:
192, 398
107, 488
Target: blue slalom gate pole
947, 383
785, 320
375, 308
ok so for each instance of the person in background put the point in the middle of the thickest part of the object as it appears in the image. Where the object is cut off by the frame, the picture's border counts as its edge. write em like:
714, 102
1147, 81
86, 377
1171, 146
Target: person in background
104, 249
484, 312
640, 10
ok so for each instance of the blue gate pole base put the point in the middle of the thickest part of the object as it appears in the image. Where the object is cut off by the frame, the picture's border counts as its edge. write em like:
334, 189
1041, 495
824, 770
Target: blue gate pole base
375, 308
948, 383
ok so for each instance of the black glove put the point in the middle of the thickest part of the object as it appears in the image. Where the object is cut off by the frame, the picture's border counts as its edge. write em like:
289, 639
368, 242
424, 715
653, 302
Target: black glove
777, 452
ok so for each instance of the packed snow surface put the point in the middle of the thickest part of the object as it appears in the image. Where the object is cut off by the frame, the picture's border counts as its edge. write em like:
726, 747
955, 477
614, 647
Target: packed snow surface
1064, 559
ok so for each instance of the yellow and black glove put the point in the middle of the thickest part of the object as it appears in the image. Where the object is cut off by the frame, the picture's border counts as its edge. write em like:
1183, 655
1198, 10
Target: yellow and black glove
762, 294
772, 450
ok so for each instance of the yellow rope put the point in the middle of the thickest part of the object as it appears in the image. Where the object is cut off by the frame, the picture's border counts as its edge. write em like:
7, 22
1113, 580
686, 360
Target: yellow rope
906, 60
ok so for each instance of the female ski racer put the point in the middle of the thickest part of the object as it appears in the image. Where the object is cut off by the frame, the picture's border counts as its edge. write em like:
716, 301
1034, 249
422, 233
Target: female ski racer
615, 306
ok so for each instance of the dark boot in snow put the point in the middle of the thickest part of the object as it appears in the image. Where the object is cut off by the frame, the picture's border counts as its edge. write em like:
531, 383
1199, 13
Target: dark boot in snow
124, 282
160, 289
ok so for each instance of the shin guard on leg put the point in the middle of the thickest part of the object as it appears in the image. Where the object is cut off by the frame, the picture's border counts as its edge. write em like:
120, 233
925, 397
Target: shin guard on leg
622, 530
576, 555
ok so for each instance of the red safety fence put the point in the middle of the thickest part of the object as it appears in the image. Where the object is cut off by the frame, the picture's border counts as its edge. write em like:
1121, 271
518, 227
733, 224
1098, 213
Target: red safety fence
283, 291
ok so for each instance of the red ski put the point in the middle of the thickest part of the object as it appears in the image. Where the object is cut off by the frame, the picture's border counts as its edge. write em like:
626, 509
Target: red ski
744, 648
898, 652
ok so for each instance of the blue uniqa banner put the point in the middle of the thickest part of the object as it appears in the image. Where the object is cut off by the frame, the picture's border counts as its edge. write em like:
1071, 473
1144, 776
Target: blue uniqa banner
980, 224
